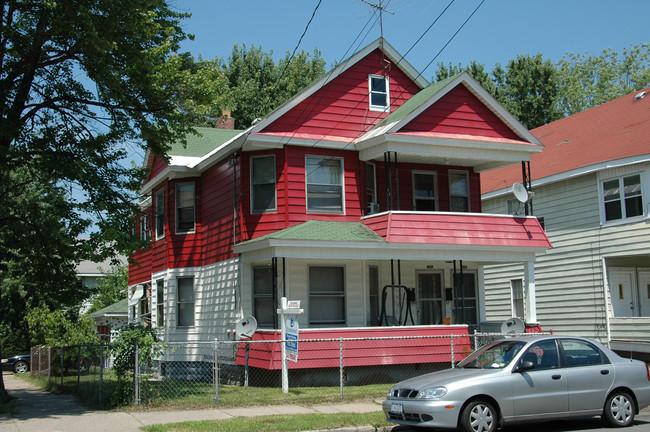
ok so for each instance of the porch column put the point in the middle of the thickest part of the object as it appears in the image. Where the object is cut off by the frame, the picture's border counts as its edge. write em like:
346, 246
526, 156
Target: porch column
529, 280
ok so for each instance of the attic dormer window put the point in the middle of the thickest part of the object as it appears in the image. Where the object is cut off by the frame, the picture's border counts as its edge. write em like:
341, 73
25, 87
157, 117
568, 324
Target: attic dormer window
379, 94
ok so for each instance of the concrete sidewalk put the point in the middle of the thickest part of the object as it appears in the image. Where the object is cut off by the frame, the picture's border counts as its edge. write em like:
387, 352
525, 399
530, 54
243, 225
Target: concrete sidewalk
38, 411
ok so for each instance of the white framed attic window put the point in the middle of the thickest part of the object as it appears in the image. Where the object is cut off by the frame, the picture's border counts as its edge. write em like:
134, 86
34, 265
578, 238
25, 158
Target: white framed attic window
379, 93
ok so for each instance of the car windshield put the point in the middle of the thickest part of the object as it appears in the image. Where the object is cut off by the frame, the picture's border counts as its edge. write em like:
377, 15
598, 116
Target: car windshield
494, 356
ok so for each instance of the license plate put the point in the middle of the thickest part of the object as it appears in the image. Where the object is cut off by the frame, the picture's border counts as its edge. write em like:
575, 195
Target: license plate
396, 408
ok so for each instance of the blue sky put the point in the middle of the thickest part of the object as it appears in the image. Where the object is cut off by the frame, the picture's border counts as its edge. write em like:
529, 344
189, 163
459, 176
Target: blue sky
497, 32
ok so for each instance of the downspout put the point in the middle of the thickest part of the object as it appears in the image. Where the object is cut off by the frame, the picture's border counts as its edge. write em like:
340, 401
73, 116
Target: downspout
605, 297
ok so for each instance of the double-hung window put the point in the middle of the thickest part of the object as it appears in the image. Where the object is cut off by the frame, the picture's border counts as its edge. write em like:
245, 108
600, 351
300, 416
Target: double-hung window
458, 191
263, 307
185, 301
371, 190
185, 214
160, 214
144, 227
424, 191
378, 88
160, 303
263, 188
324, 184
326, 296
622, 198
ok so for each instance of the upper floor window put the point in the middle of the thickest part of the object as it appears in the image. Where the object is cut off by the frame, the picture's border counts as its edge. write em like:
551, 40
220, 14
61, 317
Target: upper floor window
324, 184
458, 191
144, 227
622, 197
184, 207
379, 93
371, 190
263, 184
424, 191
160, 214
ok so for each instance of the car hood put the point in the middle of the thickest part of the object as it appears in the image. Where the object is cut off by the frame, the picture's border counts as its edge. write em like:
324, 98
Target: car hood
447, 377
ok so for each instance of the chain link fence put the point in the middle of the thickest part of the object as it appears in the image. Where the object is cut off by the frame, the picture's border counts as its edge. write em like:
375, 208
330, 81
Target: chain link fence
201, 374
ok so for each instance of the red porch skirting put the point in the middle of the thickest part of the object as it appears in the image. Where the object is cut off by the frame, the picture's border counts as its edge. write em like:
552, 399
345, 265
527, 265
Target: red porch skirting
365, 350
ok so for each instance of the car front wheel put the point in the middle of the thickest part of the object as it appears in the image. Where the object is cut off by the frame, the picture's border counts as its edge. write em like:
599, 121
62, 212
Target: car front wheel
479, 416
21, 366
619, 409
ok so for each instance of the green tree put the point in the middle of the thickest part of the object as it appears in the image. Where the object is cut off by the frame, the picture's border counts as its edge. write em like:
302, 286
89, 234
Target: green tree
110, 289
55, 328
475, 69
586, 81
82, 83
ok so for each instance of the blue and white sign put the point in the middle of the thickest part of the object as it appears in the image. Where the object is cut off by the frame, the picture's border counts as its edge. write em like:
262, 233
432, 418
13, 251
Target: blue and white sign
291, 335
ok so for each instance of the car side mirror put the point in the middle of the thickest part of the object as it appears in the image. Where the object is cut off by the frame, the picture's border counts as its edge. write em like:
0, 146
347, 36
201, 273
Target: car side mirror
525, 366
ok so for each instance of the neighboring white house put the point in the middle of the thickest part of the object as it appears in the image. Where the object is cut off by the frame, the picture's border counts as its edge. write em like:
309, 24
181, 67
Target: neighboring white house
591, 187
109, 320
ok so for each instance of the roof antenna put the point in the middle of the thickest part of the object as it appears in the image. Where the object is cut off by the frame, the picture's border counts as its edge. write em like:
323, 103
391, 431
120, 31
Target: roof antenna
378, 6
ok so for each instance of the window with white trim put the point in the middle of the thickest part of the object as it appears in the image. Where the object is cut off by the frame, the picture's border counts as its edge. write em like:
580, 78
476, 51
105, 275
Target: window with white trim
144, 227
145, 305
326, 296
263, 189
324, 184
424, 191
379, 94
185, 301
160, 303
517, 296
185, 214
371, 190
459, 191
622, 198
160, 214
263, 307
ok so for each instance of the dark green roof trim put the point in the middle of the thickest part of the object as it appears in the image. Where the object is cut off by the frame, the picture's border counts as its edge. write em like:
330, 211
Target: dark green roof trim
208, 140
317, 230
415, 102
117, 308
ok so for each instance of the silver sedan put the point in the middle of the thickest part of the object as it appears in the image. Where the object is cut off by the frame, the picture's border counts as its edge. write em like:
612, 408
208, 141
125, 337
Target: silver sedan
524, 379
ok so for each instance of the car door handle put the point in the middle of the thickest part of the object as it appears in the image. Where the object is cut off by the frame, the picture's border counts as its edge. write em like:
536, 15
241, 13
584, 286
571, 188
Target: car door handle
556, 377
604, 372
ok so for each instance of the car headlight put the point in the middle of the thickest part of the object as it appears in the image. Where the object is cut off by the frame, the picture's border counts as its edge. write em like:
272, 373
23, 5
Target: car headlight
390, 392
5, 360
432, 393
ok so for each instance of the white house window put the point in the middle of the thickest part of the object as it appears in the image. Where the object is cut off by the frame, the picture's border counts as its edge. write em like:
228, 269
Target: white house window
622, 198
378, 87
263, 184
263, 307
326, 296
424, 191
371, 190
160, 214
144, 227
160, 303
185, 213
185, 302
517, 296
145, 305
324, 184
458, 191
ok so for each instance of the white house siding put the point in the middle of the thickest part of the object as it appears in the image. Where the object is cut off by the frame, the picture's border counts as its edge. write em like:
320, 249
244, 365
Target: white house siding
569, 278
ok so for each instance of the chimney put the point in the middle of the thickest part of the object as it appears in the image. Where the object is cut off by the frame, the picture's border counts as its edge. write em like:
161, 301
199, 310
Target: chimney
225, 121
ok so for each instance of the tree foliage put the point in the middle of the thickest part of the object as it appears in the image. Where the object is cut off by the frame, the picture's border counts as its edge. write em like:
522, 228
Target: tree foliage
110, 289
54, 328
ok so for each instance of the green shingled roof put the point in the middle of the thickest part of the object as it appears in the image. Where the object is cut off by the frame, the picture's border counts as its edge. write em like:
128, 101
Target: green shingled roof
199, 146
415, 102
119, 308
325, 231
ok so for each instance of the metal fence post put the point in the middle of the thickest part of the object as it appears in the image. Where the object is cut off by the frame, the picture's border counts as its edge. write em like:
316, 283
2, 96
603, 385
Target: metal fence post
341, 365
101, 371
136, 375
78, 367
62, 363
452, 351
216, 371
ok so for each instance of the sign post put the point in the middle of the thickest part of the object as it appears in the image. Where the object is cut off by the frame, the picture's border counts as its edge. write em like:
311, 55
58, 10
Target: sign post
289, 326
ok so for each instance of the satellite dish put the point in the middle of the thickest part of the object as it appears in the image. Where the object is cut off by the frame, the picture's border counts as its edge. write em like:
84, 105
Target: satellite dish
513, 325
520, 192
246, 327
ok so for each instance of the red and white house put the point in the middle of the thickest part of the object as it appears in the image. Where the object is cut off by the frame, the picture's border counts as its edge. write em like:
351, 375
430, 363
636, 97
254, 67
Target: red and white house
361, 191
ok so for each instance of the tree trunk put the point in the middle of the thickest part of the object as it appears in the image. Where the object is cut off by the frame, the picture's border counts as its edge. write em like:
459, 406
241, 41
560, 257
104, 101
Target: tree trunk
4, 396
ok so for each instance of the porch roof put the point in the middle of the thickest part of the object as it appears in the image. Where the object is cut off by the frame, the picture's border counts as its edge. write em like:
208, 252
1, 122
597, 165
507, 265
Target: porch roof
408, 236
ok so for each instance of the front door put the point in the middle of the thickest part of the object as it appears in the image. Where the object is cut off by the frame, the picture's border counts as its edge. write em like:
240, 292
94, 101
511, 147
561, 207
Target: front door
644, 293
621, 289
465, 310
430, 301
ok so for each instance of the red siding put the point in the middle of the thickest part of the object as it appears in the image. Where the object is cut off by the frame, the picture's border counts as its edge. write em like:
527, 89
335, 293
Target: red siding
373, 352
156, 166
340, 109
470, 229
460, 112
